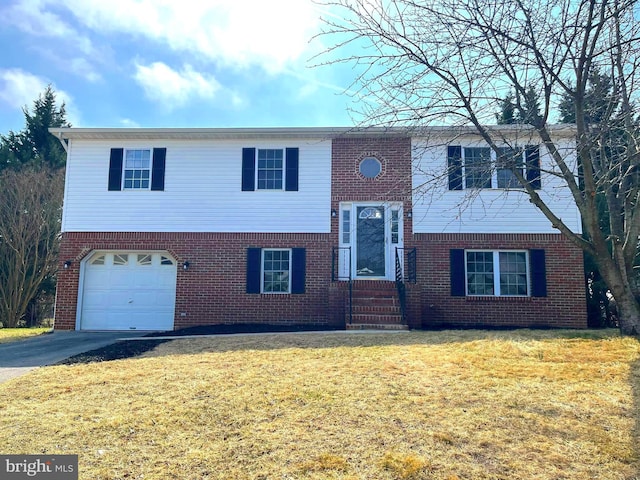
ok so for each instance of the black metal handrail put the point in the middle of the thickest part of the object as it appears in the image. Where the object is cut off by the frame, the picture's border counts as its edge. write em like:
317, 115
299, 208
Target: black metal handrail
402, 278
402, 290
410, 274
335, 273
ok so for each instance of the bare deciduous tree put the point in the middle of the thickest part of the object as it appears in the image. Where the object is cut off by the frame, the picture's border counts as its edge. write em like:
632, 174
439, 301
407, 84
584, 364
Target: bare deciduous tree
30, 208
454, 61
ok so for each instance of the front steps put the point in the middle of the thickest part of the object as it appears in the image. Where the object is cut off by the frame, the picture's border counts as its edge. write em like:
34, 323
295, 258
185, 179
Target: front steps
376, 306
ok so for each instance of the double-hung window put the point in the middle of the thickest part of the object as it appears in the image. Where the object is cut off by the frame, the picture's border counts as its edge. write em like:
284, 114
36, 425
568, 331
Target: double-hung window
481, 167
270, 168
276, 270
477, 166
137, 169
267, 169
497, 273
508, 161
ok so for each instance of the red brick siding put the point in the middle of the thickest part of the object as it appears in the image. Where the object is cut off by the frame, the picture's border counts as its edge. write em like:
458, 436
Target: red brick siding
393, 184
213, 289
564, 305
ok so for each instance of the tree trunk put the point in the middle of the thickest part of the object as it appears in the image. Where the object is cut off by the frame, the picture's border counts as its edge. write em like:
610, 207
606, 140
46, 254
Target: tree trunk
628, 312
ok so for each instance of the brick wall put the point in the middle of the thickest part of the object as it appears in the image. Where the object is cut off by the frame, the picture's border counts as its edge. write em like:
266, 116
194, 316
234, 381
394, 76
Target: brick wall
213, 289
564, 305
394, 182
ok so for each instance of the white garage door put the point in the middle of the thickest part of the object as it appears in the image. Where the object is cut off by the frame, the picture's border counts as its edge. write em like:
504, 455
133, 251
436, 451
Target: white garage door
128, 291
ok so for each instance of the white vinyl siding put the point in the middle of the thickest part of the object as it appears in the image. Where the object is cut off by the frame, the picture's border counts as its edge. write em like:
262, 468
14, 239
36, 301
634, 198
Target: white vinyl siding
436, 209
203, 191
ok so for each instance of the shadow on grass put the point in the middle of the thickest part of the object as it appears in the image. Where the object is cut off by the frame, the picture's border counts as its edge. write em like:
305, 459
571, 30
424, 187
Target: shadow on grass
271, 340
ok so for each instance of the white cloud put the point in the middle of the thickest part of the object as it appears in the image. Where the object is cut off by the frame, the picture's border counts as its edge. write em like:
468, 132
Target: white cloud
270, 34
174, 88
128, 123
81, 67
19, 89
31, 16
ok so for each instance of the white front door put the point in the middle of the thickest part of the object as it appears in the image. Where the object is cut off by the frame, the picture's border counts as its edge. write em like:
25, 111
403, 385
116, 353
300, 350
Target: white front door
369, 235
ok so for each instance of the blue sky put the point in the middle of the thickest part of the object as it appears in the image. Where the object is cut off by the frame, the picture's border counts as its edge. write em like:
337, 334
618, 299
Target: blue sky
171, 63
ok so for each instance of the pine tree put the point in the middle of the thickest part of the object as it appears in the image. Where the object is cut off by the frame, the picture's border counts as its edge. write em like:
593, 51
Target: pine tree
34, 145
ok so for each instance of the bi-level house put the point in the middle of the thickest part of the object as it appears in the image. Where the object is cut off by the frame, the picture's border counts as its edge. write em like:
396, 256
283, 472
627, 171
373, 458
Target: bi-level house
318, 227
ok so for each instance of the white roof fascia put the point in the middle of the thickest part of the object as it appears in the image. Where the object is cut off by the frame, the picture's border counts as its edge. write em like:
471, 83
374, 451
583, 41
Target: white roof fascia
287, 132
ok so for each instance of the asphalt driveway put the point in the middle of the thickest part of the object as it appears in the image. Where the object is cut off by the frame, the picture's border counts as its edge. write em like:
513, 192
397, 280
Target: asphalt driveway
18, 358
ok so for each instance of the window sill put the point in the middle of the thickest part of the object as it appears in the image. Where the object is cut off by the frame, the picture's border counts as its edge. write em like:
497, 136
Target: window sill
504, 298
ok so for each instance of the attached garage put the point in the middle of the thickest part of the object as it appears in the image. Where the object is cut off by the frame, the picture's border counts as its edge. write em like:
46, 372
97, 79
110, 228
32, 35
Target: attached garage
128, 291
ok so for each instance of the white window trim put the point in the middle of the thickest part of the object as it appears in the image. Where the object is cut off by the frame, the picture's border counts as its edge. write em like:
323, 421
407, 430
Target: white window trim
262, 255
284, 170
124, 169
496, 272
494, 166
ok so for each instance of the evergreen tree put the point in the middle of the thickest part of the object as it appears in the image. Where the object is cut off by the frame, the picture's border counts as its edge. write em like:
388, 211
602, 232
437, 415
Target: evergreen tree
34, 145
519, 109
598, 100
507, 115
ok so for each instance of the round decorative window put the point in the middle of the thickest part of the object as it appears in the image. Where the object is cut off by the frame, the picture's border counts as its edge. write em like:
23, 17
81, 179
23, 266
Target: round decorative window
370, 167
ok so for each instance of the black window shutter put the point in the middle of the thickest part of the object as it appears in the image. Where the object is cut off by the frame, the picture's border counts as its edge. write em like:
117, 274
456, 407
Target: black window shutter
538, 273
248, 169
456, 260
298, 270
291, 174
532, 157
254, 260
115, 169
454, 160
157, 170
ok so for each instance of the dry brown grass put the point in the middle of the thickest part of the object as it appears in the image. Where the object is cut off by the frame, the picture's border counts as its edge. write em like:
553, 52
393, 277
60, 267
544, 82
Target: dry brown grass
13, 334
420, 405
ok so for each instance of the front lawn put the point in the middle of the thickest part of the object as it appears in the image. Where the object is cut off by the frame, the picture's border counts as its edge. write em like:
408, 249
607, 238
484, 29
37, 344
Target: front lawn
418, 405
13, 334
